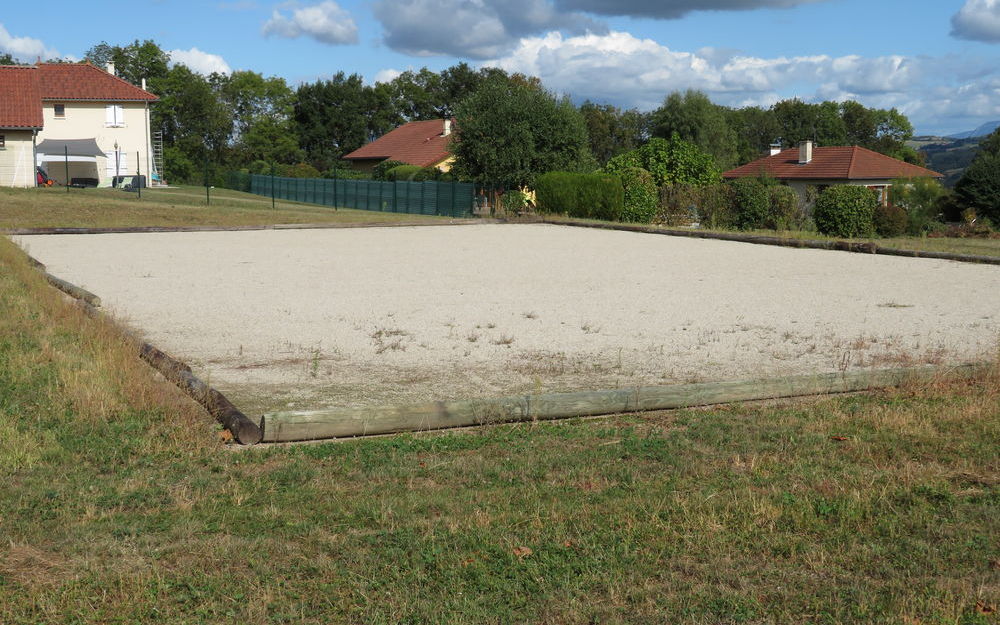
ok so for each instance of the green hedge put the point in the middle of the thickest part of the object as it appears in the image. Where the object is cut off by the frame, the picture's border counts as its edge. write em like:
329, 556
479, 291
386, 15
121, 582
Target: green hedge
846, 211
891, 220
640, 195
752, 203
784, 212
411, 173
591, 196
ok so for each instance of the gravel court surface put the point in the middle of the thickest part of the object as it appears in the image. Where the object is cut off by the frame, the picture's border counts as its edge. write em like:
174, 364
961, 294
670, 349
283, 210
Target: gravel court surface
301, 319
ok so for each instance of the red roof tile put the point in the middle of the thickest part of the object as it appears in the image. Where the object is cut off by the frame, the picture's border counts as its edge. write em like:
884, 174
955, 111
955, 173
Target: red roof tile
20, 101
83, 81
416, 143
832, 163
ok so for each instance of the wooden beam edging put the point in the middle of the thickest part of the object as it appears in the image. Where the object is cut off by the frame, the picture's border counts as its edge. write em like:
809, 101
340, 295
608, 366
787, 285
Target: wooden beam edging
157, 229
281, 427
244, 431
818, 244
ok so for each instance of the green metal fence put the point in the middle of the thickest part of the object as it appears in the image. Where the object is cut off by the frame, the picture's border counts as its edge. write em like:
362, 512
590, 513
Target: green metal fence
454, 199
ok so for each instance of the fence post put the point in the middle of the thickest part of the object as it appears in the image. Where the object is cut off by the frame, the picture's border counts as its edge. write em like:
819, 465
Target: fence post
208, 197
138, 176
66, 155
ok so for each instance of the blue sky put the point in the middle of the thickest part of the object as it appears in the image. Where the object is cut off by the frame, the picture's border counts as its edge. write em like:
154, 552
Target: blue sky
936, 60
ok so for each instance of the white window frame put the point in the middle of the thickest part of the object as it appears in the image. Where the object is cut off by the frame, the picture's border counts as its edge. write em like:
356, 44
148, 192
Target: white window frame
55, 111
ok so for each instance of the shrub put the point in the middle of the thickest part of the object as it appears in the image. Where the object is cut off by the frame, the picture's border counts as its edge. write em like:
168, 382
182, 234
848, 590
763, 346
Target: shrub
669, 162
922, 199
752, 203
596, 196
259, 167
678, 204
715, 206
299, 170
640, 195
846, 211
784, 213
380, 170
404, 173
515, 202
890, 220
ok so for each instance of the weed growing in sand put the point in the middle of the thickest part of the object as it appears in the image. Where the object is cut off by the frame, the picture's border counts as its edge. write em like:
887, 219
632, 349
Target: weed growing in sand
589, 328
390, 340
503, 339
530, 315
472, 337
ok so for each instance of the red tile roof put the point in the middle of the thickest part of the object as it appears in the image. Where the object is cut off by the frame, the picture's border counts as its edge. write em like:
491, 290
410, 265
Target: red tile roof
416, 143
832, 163
83, 81
20, 101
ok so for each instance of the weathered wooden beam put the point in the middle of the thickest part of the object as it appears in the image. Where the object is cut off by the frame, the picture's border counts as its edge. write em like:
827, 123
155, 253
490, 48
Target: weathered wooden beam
818, 244
72, 290
349, 422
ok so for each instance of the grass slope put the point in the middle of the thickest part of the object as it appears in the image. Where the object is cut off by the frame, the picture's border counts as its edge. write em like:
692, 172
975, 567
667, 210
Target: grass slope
184, 206
118, 504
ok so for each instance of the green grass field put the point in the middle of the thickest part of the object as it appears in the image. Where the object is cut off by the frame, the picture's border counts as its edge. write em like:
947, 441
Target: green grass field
183, 206
119, 503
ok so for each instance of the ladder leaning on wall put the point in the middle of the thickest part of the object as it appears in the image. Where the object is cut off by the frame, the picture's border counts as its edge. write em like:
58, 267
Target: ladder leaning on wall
156, 176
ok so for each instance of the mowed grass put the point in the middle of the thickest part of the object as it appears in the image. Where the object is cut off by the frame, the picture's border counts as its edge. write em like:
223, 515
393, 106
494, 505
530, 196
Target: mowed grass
183, 206
120, 504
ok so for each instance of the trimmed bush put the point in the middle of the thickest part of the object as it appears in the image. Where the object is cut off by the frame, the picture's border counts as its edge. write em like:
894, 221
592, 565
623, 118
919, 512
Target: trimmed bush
589, 196
381, 169
404, 173
299, 170
640, 195
846, 211
784, 212
890, 220
752, 203
715, 206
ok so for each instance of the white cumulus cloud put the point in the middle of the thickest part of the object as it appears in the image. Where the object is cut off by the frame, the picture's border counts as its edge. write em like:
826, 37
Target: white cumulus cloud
625, 70
387, 75
25, 49
325, 22
200, 62
978, 20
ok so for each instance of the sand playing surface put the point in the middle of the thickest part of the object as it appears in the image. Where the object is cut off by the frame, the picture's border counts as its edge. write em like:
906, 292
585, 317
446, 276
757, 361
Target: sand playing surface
311, 318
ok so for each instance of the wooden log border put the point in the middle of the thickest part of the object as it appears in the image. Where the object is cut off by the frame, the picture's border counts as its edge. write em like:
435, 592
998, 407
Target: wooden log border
156, 229
244, 431
818, 244
282, 427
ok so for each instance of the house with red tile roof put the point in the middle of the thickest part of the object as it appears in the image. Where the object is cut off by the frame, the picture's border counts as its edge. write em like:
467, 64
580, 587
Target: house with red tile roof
76, 121
425, 144
809, 166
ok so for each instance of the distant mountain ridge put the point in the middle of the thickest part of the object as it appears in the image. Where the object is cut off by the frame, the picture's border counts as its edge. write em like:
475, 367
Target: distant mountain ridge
982, 131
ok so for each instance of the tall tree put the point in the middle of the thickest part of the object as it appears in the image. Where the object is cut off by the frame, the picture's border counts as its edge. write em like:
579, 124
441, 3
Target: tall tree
510, 131
133, 62
695, 118
611, 130
979, 186
330, 118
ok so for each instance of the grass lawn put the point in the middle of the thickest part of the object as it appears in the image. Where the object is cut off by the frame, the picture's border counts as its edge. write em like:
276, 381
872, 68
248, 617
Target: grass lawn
120, 504
183, 206
980, 247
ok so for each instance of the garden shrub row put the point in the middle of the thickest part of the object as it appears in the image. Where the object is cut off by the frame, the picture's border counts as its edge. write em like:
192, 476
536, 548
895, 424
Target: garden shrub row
588, 196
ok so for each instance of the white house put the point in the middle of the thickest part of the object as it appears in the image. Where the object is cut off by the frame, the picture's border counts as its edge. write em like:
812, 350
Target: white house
76, 121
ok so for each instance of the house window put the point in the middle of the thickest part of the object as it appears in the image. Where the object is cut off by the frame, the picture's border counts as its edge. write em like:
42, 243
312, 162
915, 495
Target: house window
60, 110
3, 142
115, 116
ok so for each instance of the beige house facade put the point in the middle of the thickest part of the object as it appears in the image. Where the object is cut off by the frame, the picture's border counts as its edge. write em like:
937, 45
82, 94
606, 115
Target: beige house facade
77, 123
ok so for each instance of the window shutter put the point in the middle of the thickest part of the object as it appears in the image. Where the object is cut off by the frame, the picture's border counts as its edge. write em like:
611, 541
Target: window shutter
123, 163
119, 114
109, 114
109, 166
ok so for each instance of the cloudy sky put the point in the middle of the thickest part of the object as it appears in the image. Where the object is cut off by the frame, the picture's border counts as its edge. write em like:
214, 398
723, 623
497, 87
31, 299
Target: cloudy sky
936, 60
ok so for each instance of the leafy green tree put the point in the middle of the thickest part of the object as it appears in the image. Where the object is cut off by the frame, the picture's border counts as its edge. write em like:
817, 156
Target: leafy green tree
921, 198
756, 129
510, 132
330, 118
193, 117
419, 95
696, 119
846, 211
134, 61
611, 130
7, 59
979, 186
673, 161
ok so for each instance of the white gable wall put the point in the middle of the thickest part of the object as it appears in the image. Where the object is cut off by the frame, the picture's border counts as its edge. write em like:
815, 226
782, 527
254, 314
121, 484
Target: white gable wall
17, 164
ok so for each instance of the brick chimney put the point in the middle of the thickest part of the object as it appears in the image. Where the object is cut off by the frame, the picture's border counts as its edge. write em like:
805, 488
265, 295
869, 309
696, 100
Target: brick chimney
805, 152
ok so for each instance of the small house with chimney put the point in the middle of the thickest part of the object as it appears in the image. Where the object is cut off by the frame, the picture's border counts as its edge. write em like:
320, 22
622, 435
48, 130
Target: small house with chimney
78, 122
807, 166
424, 144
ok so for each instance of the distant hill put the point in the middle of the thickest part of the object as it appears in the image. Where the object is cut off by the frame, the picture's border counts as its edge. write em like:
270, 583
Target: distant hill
982, 131
947, 155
